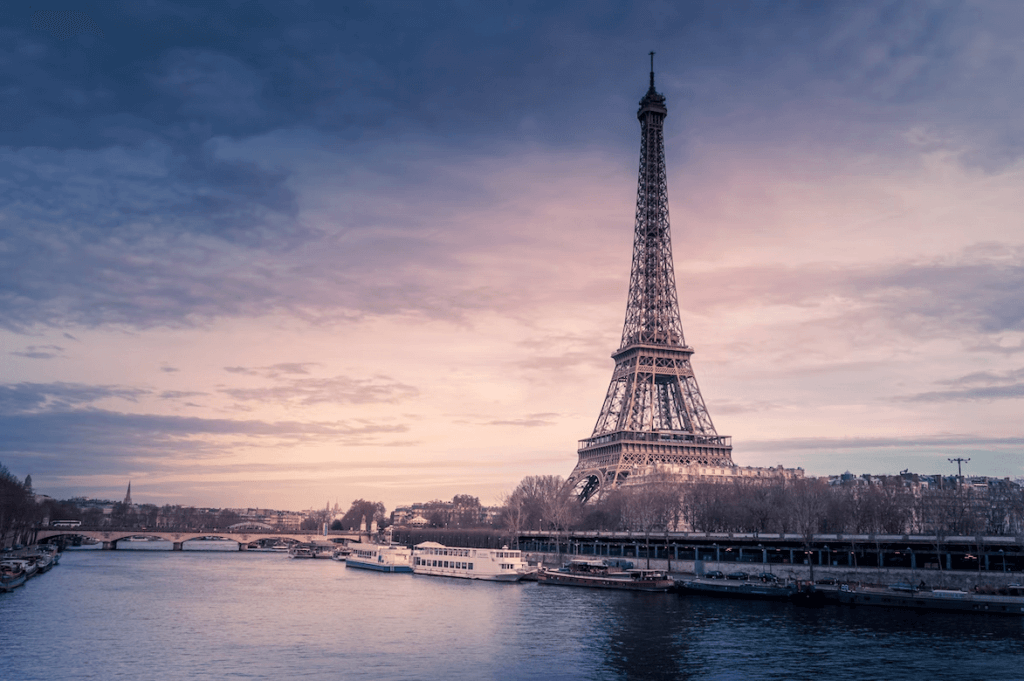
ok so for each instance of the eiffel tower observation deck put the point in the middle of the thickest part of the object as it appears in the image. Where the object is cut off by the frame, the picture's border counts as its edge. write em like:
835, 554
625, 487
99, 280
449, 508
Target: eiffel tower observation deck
653, 412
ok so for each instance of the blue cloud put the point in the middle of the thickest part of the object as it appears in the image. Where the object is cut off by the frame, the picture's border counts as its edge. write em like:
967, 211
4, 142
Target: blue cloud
115, 185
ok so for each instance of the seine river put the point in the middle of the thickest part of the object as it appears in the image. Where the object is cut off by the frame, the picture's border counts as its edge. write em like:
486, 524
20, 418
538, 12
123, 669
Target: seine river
132, 614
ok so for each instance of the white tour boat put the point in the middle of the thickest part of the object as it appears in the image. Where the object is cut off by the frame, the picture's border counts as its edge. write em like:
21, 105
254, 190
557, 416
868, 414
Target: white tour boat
379, 557
496, 565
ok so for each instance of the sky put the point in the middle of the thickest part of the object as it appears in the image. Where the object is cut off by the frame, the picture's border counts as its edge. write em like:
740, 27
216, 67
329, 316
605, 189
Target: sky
285, 254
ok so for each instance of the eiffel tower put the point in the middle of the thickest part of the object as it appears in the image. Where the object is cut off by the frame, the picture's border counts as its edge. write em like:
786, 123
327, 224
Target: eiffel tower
653, 412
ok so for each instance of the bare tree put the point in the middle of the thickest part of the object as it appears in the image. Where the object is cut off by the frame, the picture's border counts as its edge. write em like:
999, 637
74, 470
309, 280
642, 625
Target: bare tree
807, 509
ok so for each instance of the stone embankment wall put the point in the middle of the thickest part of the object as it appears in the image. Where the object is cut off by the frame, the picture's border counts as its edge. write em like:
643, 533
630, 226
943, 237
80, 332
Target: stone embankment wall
960, 579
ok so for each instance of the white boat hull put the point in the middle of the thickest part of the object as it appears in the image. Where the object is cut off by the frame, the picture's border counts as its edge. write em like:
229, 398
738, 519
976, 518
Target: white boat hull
489, 565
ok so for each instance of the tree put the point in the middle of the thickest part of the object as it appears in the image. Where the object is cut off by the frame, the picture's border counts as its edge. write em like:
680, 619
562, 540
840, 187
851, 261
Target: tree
541, 502
709, 506
437, 513
545, 502
466, 511
226, 518
650, 507
606, 513
17, 507
360, 509
315, 520
759, 505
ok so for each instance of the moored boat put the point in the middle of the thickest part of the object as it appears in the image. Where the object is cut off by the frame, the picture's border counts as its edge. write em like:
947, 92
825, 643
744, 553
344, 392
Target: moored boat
27, 567
50, 550
597, 574
379, 557
495, 565
754, 590
11, 579
43, 562
923, 599
301, 551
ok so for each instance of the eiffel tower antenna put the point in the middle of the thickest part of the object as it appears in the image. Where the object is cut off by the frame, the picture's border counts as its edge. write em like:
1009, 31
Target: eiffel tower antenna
653, 412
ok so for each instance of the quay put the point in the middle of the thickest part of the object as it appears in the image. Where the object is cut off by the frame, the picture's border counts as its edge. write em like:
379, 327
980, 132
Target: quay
955, 562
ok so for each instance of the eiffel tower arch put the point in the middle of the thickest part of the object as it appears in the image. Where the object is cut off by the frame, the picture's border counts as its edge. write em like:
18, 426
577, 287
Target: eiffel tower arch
653, 412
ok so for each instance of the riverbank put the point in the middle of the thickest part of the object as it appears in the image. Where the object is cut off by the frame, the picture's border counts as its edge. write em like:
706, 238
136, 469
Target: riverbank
685, 569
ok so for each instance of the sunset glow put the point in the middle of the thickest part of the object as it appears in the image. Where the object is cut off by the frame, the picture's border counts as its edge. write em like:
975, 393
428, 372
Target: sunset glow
383, 251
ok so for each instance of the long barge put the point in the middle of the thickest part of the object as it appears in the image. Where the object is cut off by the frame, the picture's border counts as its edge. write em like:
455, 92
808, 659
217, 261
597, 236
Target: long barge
906, 597
596, 574
763, 591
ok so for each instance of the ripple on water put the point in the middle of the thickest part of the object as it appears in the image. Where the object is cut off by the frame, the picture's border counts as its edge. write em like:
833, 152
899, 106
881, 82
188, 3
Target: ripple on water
209, 615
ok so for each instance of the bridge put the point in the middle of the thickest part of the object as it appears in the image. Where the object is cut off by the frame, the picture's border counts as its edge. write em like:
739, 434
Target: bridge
110, 537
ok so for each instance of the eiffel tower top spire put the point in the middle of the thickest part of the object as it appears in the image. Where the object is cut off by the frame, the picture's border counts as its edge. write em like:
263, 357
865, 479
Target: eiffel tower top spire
653, 97
652, 312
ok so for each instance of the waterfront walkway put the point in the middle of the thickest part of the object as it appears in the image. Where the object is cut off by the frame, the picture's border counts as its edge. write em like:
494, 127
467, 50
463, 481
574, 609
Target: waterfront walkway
748, 551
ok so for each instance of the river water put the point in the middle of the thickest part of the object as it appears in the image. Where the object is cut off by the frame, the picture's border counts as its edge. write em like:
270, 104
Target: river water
237, 615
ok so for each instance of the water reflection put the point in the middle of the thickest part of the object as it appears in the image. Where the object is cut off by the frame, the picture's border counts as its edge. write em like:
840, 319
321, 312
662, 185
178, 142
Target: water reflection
647, 636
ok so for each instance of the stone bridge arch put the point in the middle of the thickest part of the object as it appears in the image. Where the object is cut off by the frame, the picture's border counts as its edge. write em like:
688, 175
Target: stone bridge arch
110, 538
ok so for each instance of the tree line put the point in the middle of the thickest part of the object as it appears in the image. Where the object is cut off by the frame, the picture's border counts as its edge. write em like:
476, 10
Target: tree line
807, 506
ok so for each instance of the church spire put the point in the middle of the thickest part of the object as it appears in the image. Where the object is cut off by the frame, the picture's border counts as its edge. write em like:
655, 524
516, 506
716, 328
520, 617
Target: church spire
128, 497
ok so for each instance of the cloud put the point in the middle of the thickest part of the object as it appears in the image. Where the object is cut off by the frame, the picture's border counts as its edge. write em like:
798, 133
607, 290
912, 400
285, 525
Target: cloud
727, 406
137, 236
964, 292
1002, 392
274, 370
530, 421
22, 398
179, 394
336, 390
40, 352
64, 24
986, 378
928, 453
854, 443
986, 385
96, 441
208, 83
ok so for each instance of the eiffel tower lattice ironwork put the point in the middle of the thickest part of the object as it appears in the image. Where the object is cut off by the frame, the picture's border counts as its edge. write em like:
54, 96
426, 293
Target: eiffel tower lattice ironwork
653, 412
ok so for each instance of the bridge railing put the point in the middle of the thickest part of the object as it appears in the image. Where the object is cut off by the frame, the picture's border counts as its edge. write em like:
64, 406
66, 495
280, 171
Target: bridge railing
192, 530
